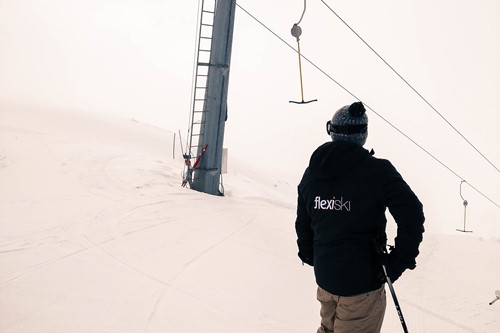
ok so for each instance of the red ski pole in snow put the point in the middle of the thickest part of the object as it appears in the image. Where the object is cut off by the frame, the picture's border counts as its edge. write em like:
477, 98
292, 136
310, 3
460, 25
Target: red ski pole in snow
199, 156
187, 178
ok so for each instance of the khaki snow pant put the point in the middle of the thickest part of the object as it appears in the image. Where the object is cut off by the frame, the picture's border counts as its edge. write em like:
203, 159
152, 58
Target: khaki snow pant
354, 314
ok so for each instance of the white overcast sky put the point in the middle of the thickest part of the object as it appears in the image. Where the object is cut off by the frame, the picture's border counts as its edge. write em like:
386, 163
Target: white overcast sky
134, 58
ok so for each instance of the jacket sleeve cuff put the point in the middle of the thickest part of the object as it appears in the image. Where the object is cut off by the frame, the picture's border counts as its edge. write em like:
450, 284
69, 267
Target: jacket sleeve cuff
306, 258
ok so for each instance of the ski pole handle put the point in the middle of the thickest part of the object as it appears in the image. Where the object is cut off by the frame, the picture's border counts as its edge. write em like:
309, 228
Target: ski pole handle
382, 252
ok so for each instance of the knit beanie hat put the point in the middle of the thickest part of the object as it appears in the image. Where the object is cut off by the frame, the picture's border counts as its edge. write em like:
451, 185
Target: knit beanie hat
350, 123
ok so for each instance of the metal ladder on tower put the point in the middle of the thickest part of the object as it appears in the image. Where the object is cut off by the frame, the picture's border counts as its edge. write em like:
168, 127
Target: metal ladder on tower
195, 144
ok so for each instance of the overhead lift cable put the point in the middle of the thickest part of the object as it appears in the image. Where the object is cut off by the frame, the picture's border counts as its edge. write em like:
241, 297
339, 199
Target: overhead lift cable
368, 107
412, 88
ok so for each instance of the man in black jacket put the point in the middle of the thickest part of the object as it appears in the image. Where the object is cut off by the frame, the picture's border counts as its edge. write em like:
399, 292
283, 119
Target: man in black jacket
342, 199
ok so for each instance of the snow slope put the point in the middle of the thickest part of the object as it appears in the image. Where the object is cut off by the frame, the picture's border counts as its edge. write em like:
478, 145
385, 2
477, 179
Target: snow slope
97, 235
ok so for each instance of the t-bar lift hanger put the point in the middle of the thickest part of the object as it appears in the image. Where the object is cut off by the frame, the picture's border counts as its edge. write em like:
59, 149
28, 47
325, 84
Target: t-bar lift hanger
296, 32
465, 208
497, 297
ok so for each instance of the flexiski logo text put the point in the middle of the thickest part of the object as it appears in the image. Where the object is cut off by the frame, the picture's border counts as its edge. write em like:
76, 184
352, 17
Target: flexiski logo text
332, 204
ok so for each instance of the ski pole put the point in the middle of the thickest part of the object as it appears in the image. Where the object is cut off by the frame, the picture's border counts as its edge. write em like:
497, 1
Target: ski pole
381, 250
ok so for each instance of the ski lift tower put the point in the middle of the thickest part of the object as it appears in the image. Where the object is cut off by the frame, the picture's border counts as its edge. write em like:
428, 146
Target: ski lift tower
211, 81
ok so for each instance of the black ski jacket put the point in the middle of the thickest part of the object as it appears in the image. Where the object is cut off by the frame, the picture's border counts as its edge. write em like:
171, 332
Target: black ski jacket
342, 199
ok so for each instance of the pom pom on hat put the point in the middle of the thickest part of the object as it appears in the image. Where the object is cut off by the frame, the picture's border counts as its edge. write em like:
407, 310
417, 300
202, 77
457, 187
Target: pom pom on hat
349, 123
357, 109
